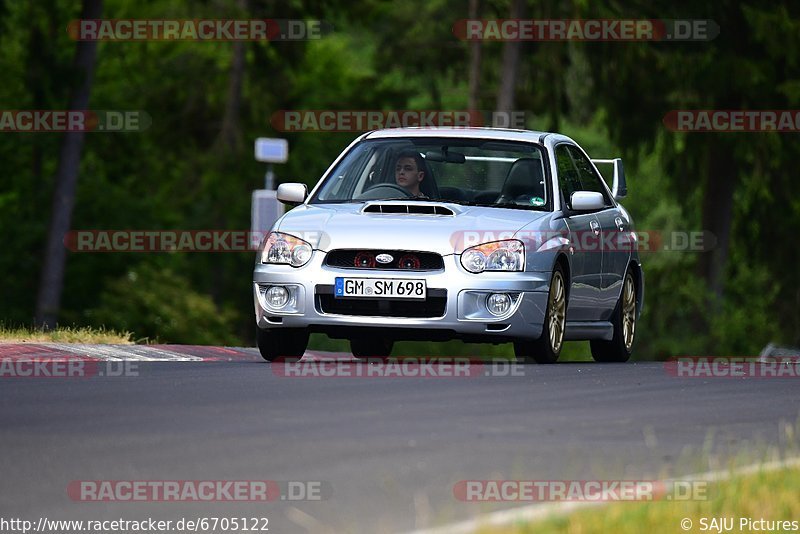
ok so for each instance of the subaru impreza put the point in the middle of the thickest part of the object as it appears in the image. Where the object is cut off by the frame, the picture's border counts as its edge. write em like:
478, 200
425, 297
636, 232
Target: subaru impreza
479, 234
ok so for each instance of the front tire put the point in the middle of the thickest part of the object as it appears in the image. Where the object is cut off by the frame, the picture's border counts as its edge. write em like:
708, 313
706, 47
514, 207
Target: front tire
620, 347
547, 348
282, 342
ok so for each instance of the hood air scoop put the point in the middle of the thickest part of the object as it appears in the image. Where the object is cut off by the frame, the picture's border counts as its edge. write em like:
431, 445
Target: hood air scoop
409, 209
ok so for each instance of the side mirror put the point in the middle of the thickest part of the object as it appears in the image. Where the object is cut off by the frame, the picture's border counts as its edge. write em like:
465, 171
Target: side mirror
292, 193
587, 201
619, 189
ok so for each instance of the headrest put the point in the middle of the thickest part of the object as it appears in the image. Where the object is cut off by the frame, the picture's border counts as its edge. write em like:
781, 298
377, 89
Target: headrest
524, 178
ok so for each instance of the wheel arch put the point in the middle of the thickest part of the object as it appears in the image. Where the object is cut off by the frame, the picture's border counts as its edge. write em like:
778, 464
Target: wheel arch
635, 268
563, 261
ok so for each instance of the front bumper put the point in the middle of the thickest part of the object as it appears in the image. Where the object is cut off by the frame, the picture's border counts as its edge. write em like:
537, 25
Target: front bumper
459, 317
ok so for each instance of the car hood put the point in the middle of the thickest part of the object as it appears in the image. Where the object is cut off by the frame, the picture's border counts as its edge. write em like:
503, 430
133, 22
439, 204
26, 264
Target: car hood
348, 226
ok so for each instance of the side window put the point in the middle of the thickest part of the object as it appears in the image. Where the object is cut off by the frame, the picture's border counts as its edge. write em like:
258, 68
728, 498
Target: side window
365, 181
568, 178
590, 181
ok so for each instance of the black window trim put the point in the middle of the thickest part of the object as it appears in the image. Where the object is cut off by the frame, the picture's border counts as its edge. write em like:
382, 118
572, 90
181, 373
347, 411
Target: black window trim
567, 206
610, 202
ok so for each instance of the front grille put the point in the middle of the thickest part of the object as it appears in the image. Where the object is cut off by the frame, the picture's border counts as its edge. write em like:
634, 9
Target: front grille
403, 260
433, 306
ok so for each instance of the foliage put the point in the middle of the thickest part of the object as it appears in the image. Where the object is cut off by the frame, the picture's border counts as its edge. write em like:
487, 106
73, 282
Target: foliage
162, 306
611, 97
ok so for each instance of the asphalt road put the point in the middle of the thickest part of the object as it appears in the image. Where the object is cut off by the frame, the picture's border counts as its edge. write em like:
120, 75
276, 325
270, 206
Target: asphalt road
386, 450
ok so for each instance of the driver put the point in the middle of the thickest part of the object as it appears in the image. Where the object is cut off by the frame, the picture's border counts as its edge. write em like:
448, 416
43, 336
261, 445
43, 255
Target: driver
408, 172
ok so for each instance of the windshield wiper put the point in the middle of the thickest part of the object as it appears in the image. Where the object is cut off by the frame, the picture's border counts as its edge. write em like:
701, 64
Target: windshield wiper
513, 205
415, 199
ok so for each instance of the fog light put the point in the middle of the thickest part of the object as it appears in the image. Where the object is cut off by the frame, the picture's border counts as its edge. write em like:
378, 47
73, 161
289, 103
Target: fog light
498, 303
277, 297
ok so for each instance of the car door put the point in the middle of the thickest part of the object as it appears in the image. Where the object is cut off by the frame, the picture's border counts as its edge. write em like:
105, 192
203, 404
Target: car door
584, 228
614, 235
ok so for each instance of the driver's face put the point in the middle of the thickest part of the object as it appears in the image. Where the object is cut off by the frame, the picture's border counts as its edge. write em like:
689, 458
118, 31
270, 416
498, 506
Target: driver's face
407, 175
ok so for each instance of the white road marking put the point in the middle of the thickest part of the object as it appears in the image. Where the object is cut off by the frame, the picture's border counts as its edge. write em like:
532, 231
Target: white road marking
123, 352
537, 512
326, 356
305, 520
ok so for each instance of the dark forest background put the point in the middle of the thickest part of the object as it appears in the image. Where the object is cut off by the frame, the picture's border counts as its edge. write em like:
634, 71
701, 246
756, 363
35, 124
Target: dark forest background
193, 168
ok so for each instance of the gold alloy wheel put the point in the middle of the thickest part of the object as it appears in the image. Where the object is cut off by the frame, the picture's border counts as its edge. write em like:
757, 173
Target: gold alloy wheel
557, 307
628, 312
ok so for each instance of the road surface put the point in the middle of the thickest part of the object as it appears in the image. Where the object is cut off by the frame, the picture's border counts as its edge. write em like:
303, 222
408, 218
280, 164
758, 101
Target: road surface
383, 453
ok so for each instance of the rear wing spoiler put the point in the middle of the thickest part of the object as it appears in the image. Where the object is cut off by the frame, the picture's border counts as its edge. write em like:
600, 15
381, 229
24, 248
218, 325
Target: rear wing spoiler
619, 189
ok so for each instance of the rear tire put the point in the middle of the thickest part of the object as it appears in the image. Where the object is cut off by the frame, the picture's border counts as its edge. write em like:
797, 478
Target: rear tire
547, 348
620, 347
371, 348
282, 342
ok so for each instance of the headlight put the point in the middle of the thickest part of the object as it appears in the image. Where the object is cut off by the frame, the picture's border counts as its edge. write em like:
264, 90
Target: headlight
285, 249
508, 255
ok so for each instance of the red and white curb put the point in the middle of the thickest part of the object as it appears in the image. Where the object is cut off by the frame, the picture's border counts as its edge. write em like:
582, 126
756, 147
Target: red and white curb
139, 353
142, 353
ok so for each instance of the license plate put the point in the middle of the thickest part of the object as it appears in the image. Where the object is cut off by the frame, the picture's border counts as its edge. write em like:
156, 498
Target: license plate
388, 288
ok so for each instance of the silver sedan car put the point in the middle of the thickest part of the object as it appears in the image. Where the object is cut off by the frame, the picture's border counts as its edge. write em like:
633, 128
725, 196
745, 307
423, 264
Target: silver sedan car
479, 234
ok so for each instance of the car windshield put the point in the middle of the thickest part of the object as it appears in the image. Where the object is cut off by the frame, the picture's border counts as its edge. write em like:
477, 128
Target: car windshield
476, 172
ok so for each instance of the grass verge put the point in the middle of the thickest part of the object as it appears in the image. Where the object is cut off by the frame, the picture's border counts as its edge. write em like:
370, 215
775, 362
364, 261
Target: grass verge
61, 334
769, 496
